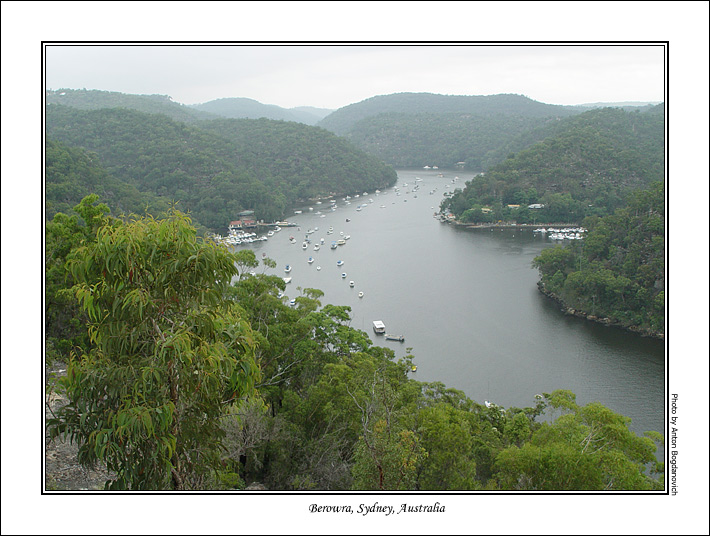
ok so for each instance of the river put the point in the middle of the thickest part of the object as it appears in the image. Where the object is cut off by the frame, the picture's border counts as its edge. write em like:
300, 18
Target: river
466, 302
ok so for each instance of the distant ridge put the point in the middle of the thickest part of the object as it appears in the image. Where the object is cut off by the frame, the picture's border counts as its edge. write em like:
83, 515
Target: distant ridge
344, 119
244, 108
94, 99
618, 104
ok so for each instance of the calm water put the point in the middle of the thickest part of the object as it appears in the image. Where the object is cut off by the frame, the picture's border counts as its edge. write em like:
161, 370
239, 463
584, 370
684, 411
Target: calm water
466, 302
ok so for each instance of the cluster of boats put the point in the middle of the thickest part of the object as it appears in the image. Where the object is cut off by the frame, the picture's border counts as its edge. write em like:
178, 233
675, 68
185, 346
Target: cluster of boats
573, 233
236, 238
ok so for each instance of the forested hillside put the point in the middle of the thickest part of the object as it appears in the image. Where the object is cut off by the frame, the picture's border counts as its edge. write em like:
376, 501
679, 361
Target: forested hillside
343, 120
242, 108
445, 140
618, 272
71, 174
588, 167
218, 169
83, 99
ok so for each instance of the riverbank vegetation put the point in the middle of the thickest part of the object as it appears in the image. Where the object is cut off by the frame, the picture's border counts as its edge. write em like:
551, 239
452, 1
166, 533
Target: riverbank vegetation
586, 166
213, 169
618, 272
194, 373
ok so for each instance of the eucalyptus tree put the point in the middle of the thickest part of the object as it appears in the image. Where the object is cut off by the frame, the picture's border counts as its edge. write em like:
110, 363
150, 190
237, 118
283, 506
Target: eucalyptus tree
170, 354
586, 448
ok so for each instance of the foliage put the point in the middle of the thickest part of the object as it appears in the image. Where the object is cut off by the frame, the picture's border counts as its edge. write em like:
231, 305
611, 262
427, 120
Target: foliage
64, 320
619, 271
72, 173
242, 108
169, 354
587, 448
92, 99
587, 168
343, 120
417, 140
216, 169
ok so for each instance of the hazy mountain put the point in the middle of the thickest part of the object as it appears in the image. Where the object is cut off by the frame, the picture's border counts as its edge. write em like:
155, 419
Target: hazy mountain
344, 119
93, 99
243, 108
320, 113
628, 104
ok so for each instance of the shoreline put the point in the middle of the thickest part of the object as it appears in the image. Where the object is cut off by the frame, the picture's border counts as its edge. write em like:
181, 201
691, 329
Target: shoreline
605, 321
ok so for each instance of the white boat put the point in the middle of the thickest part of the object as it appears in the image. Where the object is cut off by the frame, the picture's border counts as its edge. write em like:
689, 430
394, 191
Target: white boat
292, 303
333, 245
343, 275
287, 280
310, 260
316, 247
287, 269
341, 242
379, 327
360, 294
318, 268
340, 263
352, 284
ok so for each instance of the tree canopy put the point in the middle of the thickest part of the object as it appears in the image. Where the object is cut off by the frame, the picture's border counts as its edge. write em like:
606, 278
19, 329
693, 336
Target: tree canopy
169, 354
587, 168
196, 374
215, 169
619, 270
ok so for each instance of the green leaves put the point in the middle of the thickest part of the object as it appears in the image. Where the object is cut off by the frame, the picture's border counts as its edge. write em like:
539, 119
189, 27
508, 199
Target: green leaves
168, 357
588, 448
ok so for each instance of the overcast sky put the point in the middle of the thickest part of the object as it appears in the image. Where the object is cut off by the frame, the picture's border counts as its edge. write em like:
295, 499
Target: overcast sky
335, 76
